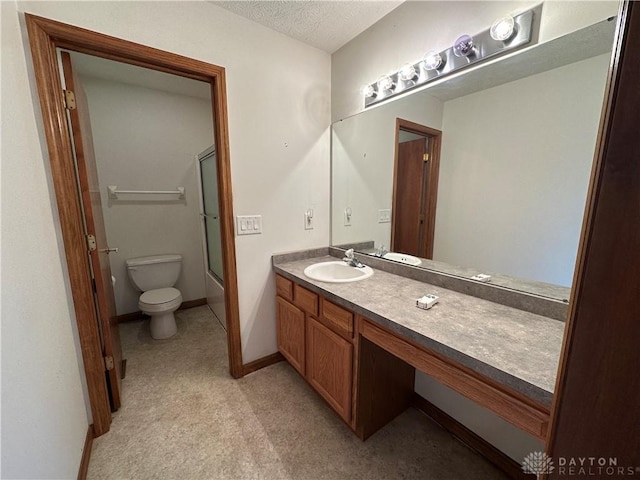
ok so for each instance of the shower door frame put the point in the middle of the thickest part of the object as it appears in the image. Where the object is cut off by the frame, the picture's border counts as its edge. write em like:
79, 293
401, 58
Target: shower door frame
211, 151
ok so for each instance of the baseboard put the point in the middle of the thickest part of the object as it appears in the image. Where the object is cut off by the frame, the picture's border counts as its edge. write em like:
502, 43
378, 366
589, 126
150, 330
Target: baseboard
86, 454
261, 363
133, 316
472, 440
198, 302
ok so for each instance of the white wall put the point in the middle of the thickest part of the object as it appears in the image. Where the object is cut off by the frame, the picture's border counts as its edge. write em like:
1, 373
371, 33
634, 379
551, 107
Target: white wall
44, 420
146, 139
363, 148
517, 158
278, 104
414, 28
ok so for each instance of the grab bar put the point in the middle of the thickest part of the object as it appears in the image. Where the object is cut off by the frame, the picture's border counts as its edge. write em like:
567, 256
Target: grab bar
114, 192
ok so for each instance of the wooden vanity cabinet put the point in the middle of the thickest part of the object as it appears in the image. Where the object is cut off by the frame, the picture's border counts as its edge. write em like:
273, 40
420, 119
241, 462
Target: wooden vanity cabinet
320, 349
366, 372
321, 341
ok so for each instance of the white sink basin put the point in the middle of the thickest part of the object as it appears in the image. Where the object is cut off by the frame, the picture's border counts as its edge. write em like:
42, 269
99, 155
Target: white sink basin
402, 258
337, 272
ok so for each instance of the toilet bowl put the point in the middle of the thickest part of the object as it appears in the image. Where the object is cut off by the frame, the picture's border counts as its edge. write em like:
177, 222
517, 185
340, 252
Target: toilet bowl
155, 276
160, 304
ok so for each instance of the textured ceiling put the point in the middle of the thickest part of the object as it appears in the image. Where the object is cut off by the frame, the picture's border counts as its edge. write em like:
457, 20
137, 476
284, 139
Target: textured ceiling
327, 25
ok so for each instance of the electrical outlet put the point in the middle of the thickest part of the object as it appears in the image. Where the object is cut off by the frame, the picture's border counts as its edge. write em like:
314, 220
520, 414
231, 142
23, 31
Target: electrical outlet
347, 217
308, 219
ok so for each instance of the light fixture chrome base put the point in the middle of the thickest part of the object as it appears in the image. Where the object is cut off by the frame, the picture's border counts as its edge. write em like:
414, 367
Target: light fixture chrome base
484, 47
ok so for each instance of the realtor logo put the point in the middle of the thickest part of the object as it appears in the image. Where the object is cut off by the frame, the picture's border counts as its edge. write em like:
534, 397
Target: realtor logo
537, 463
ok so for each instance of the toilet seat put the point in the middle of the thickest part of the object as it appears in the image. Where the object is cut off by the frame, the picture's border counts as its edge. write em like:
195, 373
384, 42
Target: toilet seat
160, 300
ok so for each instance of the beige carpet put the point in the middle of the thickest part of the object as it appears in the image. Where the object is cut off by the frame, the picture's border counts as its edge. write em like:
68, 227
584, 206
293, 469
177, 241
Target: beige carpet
183, 417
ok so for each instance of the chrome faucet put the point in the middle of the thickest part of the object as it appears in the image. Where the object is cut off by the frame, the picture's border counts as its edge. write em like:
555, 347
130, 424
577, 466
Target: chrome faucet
351, 259
381, 252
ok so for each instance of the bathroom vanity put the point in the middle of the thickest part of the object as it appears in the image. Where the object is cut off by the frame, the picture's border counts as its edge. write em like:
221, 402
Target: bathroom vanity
358, 345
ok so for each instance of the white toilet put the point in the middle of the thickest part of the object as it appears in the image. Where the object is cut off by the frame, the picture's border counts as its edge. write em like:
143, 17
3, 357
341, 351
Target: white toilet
155, 276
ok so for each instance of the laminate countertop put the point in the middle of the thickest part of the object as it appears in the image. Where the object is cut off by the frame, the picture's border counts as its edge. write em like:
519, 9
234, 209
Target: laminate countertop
518, 349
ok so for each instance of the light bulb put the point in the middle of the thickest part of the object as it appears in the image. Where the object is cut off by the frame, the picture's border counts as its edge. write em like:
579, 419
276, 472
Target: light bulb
432, 60
408, 73
502, 29
369, 91
385, 83
464, 46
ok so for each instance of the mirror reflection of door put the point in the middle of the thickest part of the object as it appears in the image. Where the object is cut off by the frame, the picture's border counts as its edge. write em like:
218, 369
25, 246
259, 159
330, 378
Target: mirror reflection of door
415, 188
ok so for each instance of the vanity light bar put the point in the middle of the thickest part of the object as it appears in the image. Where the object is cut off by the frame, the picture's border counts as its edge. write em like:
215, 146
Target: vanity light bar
467, 51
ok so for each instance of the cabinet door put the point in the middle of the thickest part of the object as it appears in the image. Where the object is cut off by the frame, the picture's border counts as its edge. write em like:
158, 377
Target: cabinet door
329, 366
291, 333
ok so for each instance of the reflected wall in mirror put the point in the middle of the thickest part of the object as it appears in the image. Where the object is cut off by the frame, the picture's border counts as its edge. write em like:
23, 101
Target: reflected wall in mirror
518, 139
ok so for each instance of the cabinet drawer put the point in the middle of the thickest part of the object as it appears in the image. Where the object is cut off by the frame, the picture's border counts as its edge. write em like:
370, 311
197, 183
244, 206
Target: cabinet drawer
284, 288
306, 300
337, 319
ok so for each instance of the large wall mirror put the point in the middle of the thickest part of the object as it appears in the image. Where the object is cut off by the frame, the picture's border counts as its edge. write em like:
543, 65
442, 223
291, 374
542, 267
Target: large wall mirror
501, 167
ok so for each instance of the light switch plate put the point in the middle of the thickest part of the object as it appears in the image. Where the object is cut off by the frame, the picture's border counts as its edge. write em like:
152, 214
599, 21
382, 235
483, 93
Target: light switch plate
248, 224
384, 215
347, 217
308, 219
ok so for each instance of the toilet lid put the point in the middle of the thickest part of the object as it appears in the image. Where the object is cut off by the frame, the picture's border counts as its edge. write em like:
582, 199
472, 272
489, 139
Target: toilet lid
159, 295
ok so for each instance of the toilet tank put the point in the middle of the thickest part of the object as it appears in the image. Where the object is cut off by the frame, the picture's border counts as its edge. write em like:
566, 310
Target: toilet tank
155, 271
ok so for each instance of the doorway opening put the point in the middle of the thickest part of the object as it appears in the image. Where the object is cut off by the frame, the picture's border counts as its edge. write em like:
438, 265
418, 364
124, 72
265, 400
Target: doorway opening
82, 247
415, 188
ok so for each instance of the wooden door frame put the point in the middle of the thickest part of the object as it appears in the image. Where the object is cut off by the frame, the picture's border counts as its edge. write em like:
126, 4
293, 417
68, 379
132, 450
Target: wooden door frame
44, 37
435, 137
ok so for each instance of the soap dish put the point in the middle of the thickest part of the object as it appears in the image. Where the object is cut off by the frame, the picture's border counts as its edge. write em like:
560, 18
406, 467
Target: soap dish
427, 302
481, 277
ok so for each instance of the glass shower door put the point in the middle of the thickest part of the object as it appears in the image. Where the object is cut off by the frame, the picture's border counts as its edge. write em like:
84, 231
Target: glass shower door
211, 213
